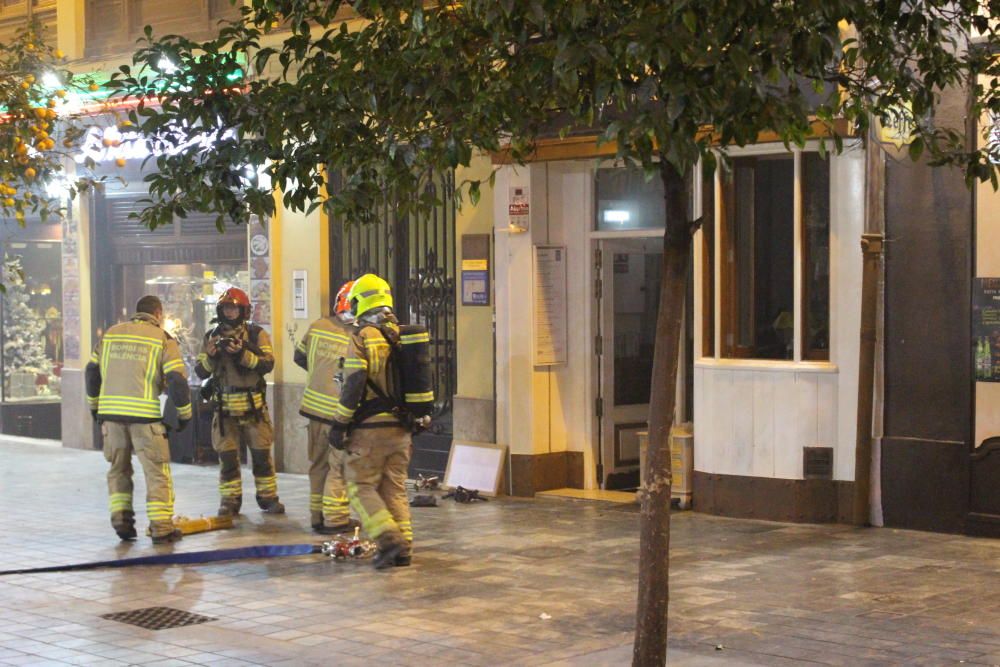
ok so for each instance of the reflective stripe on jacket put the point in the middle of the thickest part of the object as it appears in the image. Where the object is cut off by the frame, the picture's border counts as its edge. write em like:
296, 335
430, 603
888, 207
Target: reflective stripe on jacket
367, 357
242, 375
322, 351
128, 370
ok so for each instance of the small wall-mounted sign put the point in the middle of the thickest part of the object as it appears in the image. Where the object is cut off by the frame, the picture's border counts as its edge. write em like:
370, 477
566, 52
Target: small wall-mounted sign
475, 269
300, 302
518, 208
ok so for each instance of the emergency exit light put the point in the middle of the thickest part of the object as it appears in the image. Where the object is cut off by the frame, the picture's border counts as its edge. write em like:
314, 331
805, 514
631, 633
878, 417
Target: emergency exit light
616, 216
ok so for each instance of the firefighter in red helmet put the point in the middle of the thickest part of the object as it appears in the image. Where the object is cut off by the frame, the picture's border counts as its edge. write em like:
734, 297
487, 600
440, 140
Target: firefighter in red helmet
321, 353
235, 357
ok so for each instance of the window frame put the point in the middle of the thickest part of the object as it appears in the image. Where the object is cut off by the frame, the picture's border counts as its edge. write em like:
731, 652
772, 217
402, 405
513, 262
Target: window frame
715, 318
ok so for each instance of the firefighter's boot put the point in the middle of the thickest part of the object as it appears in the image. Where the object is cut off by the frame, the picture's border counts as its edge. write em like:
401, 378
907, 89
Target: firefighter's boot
167, 538
390, 547
271, 505
124, 524
347, 527
230, 484
265, 481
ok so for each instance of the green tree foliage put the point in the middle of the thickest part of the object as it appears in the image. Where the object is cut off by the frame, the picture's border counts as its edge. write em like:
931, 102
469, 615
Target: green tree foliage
38, 129
410, 88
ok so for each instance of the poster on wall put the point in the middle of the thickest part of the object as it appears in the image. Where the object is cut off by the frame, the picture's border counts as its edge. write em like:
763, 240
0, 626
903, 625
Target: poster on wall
986, 329
550, 312
71, 289
260, 272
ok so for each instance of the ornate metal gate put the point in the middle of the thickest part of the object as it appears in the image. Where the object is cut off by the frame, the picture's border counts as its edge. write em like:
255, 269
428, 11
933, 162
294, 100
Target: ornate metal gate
416, 255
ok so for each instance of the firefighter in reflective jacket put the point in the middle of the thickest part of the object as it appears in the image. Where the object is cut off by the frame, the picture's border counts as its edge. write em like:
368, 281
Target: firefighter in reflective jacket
378, 449
321, 353
236, 355
131, 365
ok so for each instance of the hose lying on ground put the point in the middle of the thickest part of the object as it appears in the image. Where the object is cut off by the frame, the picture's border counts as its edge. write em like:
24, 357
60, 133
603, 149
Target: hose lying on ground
187, 558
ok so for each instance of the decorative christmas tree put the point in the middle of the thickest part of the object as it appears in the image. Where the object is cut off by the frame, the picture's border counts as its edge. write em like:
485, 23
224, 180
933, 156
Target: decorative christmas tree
24, 341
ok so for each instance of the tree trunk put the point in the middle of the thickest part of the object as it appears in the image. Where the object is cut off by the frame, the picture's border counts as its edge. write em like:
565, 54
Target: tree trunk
650, 646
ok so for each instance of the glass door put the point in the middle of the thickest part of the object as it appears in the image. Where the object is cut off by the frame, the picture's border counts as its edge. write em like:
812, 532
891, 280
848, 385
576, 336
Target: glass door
630, 272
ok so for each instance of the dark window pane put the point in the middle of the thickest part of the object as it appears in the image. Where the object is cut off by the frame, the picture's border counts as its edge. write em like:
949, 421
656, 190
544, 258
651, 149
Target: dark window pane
759, 289
816, 256
636, 302
708, 267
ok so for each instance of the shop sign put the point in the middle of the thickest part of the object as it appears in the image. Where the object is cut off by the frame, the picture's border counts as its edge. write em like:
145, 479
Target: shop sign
109, 144
898, 128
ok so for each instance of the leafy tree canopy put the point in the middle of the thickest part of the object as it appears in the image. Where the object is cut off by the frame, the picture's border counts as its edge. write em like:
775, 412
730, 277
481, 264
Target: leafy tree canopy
40, 125
291, 89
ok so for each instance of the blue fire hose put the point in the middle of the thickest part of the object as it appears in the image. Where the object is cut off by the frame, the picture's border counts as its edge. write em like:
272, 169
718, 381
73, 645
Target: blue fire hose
187, 558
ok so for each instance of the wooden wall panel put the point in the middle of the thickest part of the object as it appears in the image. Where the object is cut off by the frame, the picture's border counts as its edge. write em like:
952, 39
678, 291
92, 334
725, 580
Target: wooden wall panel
15, 14
113, 26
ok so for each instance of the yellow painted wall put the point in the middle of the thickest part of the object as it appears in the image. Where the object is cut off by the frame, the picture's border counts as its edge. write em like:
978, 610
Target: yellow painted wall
70, 27
298, 242
475, 323
987, 266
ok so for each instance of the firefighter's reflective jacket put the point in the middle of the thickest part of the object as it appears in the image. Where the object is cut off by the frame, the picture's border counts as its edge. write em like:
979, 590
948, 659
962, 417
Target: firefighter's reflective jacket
131, 365
239, 378
322, 353
368, 359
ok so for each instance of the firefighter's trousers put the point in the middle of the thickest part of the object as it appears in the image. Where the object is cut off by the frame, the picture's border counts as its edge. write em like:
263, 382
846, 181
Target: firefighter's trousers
327, 489
375, 468
149, 441
227, 433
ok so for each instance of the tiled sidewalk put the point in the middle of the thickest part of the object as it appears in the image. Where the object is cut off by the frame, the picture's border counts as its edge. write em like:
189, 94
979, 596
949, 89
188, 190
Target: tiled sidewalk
743, 592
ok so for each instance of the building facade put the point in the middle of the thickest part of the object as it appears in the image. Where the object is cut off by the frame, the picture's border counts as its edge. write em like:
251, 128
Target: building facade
542, 306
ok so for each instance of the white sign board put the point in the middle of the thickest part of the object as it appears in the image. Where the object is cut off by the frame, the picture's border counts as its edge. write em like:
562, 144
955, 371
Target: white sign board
475, 466
550, 313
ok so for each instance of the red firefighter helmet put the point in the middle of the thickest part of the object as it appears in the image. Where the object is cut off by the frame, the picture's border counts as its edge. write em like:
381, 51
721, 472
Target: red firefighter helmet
237, 297
341, 304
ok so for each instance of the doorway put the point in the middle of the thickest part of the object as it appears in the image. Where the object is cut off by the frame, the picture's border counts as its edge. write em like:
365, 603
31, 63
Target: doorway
629, 273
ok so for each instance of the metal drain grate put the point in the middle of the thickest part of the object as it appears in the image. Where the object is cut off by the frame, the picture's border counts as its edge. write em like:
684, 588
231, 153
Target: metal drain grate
158, 618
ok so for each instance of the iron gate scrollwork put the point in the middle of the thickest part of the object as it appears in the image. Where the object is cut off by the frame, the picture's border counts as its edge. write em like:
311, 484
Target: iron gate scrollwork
416, 255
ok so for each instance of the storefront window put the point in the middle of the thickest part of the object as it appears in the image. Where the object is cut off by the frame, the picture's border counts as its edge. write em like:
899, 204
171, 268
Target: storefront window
189, 293
32, 331
758, 291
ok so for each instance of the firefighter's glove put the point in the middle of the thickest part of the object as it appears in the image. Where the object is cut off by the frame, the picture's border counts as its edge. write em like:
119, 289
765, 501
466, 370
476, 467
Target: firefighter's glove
211, 349
182, 424
234, 345
338, 437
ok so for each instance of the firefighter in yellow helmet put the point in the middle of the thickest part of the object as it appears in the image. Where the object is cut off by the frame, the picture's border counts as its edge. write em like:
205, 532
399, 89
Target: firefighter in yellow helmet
130, 366
236, 355
378, 449
321, 352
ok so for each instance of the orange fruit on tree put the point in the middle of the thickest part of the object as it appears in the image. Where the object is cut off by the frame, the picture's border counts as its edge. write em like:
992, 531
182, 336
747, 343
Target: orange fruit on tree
120, 162
93, 87
60, 93
59, 54
25, 85
8, 202
30, 173
52, 103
